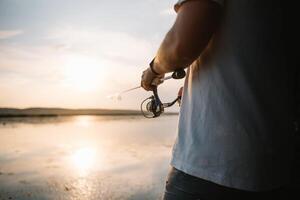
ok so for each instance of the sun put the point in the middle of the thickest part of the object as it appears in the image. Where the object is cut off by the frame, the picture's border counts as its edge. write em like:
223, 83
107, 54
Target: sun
82, 73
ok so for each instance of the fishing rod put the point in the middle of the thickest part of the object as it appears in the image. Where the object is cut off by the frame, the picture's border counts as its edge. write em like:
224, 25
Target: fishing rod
152, 106
137, 87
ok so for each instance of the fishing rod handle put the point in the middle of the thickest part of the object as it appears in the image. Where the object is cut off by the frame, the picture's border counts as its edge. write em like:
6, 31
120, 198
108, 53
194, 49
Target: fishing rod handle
178, 74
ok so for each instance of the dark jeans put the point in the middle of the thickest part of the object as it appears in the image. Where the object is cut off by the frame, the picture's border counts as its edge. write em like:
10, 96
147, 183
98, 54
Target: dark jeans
182, 186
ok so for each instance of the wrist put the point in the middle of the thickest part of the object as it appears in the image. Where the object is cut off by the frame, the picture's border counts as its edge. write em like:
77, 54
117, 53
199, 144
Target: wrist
152, 67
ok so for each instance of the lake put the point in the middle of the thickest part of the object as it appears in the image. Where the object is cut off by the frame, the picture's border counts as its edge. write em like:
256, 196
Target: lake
85, 157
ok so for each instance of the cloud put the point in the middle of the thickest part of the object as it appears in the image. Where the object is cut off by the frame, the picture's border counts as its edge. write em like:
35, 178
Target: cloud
111, 50
55, 65
111, 45
45, 70
5, 34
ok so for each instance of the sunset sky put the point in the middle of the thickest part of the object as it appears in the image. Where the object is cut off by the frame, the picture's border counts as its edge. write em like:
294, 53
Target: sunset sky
74, 53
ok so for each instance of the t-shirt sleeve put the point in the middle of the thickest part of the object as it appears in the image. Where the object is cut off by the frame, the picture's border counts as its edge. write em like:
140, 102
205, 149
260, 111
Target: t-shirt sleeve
180, 2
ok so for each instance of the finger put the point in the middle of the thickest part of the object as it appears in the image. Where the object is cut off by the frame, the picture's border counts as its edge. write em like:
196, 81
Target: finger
146, 86
161, 81
156, 81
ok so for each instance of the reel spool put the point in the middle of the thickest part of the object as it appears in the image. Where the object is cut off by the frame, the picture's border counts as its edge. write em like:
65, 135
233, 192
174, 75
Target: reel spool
150, 108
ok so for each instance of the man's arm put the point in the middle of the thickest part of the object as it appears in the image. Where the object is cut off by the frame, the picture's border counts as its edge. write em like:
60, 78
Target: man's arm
195, 24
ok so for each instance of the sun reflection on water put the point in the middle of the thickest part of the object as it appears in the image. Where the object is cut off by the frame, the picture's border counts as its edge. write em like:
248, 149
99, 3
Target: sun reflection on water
84, 159
84, 121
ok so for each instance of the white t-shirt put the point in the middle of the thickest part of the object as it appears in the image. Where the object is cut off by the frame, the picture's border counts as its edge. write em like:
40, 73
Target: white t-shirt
236, 122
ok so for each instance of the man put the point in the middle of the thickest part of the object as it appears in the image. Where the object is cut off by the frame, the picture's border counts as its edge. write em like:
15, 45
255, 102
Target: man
235, 129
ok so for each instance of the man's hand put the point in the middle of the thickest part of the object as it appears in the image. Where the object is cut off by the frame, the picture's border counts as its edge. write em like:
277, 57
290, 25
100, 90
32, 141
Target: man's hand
150, 80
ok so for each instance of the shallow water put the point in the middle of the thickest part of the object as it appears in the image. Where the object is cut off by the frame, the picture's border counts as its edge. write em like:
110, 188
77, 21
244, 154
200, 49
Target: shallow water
85, 157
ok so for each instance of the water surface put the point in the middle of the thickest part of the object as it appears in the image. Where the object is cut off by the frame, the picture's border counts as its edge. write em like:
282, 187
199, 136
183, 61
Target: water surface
85, 157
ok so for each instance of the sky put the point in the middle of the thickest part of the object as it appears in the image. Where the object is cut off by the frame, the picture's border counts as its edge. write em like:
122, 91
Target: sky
75, 53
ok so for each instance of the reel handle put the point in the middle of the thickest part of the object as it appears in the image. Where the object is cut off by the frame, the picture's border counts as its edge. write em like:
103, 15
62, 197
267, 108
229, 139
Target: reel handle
155, 94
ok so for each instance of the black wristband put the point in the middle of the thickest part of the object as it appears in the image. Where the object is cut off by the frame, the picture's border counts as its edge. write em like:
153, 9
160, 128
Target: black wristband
151, 67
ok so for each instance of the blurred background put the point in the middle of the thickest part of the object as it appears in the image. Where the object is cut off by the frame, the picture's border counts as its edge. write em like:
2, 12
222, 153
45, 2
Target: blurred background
73, 54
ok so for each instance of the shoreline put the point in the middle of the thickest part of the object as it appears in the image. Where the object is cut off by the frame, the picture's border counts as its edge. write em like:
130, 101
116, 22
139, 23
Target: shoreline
70, 115
56, 112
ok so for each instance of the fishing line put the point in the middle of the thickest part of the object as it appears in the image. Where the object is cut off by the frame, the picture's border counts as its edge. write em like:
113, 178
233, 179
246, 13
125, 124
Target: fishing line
118, 96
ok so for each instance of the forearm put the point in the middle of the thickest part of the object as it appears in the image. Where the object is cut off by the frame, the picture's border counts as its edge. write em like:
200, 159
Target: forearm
170, 56
194, 26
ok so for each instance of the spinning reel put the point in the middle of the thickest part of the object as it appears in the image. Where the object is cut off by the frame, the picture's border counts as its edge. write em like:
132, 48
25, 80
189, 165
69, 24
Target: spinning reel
152, 107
